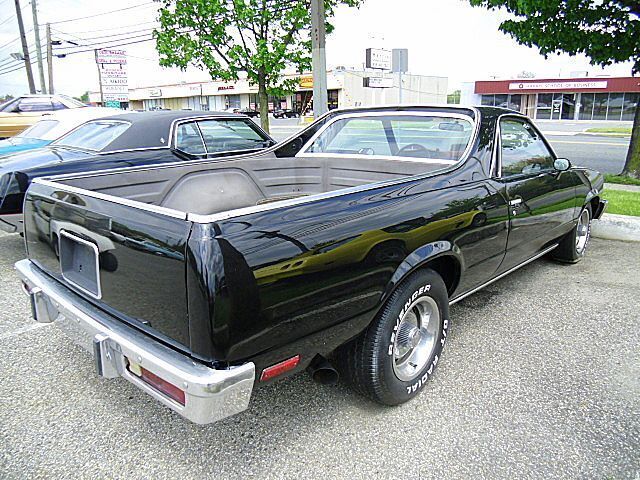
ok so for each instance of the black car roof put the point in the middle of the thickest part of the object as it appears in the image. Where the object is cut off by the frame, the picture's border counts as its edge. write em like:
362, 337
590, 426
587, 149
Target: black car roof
152, 129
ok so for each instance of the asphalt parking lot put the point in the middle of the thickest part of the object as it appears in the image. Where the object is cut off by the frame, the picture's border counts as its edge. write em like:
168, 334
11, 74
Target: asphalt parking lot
540, 379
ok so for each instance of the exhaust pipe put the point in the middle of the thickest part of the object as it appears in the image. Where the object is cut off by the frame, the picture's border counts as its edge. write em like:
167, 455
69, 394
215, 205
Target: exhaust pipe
322, 371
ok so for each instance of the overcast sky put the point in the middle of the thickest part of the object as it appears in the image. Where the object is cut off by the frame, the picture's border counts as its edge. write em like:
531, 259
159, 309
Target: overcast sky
444, 37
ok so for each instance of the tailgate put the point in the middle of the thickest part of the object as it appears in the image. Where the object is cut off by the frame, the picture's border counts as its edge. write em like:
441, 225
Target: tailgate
125, 260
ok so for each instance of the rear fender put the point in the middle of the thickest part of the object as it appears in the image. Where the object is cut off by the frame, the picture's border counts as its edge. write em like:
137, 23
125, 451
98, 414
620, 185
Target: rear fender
419, 258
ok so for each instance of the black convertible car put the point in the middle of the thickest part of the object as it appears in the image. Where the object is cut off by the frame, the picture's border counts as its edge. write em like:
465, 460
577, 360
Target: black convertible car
133, 139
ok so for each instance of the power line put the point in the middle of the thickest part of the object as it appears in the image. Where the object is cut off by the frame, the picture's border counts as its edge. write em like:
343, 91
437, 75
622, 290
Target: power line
61, 55
101, 14
112, 28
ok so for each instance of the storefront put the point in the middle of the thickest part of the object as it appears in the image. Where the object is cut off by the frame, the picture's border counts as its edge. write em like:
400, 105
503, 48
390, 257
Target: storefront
345, 88
600, 98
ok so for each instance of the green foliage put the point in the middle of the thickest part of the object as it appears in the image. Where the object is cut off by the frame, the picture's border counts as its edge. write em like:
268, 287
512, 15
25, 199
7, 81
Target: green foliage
622, 202
621, 179
454, 97
607, 31
225, 37
611, 130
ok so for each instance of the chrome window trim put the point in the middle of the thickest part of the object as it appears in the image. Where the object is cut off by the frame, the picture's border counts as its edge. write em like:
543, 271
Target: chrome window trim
94, 247
56, 144
497, 156
474, 126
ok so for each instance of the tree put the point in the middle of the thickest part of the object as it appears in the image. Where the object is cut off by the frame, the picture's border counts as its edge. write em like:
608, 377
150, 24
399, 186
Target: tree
263, 38
606, 31
454, 97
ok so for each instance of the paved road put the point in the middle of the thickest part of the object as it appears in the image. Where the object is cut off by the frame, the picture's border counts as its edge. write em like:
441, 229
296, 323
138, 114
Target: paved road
540, 379
603, 153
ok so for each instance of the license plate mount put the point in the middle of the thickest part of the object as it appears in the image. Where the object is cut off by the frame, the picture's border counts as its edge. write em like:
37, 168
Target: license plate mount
79, 263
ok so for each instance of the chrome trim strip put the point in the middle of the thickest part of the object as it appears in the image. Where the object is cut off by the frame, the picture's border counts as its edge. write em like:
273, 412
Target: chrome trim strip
495, 279
210, 394
428, 161
92, 246
112, 199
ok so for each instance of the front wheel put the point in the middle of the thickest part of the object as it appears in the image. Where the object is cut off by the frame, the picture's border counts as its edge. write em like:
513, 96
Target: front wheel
574, 245
392, 360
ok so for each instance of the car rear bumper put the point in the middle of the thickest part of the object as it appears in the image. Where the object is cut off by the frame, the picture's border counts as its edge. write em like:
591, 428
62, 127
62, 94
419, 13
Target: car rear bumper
119, 350
11, 223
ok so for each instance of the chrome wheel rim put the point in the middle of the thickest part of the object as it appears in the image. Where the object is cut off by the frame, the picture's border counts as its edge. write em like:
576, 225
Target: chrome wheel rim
582, 231
415, 338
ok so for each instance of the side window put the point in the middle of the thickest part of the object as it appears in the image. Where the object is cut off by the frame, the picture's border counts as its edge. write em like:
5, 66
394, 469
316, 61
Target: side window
523, 151
189, 139
58, 105
35, 105
229, 135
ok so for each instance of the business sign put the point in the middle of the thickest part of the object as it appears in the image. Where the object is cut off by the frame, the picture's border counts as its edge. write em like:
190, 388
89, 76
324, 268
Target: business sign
556, 85
378, 58
112, 65
377, 82
108, 55
155, 92
112, 104
305, 82
115, 97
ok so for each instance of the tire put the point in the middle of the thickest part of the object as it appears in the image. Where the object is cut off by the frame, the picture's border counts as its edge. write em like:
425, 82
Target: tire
377, 362
573, 246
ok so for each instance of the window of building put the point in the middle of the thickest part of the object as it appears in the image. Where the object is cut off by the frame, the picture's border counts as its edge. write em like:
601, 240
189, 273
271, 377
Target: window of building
523, 151
616, 101
630, 104
600, 102
586, 109
332, 99
233, 101
487, 100
515, 102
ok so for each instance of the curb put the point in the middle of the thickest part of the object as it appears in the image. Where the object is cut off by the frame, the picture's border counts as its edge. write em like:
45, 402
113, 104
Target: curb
617, 227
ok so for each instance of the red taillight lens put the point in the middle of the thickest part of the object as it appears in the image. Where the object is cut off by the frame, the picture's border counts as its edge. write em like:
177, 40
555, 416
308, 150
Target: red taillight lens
279, 368
169, 389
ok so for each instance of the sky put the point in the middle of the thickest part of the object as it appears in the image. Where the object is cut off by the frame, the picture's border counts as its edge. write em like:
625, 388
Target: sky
445, 38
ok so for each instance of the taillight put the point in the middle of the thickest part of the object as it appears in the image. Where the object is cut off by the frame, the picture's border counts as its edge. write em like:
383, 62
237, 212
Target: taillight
160, 384
279, 368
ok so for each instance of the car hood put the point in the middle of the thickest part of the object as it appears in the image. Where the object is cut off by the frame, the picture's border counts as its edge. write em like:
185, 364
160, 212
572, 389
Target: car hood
18, 144
39, 157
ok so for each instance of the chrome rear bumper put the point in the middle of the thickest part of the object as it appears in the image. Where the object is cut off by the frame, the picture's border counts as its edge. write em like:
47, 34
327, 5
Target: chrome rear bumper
210, 394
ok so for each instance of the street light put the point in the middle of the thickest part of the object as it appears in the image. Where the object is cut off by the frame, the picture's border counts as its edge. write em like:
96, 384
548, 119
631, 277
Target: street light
17, 56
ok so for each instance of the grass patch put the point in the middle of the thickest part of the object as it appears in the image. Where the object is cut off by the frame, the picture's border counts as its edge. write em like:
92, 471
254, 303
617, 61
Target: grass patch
622, 202
621, 179
618, 130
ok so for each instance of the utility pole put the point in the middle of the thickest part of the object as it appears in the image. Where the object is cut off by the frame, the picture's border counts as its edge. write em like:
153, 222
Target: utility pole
36, 30
318, 57
99, 78
25, 49
50, 59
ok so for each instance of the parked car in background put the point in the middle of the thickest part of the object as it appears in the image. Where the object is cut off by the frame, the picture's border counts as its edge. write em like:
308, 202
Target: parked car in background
53, 126
348, 241
126, 140
249, 112
285, 113
18, 114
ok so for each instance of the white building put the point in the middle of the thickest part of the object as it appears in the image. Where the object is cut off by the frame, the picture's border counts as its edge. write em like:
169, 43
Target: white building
345, 89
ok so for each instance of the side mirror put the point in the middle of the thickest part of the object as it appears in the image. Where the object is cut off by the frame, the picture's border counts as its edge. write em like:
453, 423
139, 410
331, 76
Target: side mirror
562, 164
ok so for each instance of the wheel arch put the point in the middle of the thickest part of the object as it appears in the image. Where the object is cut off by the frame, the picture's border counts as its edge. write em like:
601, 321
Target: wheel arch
442, 257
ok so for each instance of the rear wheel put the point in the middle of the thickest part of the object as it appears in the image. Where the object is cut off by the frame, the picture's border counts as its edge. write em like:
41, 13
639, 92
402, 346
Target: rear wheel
574, 245
392, 360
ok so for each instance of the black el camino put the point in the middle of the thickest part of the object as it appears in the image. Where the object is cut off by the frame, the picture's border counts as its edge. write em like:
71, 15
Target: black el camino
128, 140
347, 242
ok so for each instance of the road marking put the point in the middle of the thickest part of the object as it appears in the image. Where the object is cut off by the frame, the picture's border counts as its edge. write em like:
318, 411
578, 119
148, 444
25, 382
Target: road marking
20, 331
592, 143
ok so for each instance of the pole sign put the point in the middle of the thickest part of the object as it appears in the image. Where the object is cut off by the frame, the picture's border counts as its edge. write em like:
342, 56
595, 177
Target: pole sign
112, 67
377, 82
378, 59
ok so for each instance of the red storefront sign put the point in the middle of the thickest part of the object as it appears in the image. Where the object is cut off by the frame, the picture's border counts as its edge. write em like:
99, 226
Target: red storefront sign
597, 84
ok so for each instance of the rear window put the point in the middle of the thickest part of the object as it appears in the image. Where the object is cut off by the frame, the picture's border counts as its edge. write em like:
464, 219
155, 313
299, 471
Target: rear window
39, 129
428, 137
94, 135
